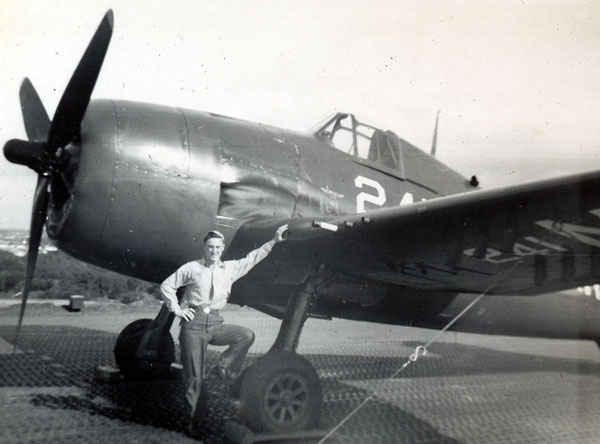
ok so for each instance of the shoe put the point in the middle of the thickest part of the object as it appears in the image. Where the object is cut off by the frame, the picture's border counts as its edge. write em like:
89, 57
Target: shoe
223, 373
201, 410
193, 430
236, 404
216, 372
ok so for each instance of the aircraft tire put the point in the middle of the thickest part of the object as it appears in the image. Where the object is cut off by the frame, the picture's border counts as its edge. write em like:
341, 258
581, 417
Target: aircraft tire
281, 392
141, 369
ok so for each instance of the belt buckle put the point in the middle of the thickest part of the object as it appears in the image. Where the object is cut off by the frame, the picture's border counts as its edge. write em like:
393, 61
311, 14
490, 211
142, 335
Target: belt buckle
206, 310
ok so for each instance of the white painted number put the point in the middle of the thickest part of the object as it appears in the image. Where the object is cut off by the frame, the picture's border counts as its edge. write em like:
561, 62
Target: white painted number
583, 233
407, 199
377, 199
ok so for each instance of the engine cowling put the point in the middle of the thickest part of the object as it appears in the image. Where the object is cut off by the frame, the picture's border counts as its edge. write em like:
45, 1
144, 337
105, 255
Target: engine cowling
142, 189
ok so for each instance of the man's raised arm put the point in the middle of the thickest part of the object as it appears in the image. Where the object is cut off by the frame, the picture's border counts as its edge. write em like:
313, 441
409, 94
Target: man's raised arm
244, 265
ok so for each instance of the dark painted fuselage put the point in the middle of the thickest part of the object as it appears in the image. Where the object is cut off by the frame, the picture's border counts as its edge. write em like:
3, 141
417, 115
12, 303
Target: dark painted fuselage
151, 180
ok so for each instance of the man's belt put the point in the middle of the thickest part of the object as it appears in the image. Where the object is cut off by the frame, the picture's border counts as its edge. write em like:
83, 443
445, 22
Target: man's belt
206, 310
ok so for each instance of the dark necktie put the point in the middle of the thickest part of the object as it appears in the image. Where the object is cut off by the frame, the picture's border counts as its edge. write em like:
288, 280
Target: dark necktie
212, 285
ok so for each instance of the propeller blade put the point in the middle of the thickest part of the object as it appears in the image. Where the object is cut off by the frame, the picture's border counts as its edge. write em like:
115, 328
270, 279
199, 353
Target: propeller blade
35, 117
38, 218
76, 97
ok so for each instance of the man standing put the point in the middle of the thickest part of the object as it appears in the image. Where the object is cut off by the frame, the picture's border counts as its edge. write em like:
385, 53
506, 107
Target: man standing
207, 283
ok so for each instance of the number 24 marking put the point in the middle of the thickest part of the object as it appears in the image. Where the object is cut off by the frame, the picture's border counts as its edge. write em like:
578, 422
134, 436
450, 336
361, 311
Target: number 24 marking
378, 198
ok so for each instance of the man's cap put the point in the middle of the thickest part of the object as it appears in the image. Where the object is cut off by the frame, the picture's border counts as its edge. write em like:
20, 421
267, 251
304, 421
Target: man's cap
214, 234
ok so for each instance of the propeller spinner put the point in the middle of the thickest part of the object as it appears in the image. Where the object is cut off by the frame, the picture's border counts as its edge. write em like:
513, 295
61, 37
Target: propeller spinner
45, 152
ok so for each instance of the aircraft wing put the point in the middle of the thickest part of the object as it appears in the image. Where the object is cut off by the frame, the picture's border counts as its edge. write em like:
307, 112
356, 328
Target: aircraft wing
531, 238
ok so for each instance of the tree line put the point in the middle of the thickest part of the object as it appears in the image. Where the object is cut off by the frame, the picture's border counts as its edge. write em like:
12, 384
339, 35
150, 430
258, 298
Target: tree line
59, 276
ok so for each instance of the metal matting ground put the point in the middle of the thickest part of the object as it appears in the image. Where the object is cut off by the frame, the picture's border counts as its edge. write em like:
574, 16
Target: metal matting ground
468, 389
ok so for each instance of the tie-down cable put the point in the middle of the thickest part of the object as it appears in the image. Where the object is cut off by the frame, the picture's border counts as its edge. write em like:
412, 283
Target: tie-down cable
421, 350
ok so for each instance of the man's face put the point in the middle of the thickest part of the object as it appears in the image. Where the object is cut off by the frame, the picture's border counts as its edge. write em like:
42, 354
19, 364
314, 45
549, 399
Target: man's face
213, 249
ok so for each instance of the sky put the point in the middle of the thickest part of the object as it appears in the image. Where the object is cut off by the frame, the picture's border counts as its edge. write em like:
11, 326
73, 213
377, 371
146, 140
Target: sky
517, 82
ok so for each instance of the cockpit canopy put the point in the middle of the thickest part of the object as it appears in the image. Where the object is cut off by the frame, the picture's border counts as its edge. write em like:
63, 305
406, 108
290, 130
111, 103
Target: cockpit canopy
390, 154
345, 133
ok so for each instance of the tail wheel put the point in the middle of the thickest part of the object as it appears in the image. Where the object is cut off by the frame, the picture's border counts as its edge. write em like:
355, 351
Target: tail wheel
136, 368
281, 392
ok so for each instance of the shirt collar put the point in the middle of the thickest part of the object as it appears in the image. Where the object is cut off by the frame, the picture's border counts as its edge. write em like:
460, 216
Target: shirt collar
220, 264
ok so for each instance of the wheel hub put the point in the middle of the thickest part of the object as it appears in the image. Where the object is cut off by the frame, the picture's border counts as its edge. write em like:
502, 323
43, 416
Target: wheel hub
286, 398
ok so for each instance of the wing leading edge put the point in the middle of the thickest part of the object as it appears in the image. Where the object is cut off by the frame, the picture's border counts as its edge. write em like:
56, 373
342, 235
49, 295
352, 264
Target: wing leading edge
547, 233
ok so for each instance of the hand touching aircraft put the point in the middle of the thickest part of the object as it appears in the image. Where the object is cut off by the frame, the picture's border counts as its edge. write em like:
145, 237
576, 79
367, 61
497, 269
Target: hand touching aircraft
378, 229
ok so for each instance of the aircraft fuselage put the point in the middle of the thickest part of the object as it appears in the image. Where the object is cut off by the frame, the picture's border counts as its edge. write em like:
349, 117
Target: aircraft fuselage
151, 180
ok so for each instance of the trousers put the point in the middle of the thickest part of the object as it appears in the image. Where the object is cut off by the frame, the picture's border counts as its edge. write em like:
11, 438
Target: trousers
194, 338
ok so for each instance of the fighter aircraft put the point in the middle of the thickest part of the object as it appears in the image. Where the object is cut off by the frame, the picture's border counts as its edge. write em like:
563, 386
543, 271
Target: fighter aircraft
378, 229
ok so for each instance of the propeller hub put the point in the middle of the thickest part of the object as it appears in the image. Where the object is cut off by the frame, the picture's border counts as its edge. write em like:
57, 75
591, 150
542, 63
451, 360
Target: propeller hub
22, 152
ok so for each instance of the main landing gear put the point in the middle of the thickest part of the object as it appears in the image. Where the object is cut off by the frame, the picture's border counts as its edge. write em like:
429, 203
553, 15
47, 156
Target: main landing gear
281, 392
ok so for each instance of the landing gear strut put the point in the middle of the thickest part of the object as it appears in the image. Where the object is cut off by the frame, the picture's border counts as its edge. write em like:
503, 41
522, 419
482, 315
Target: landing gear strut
281, 392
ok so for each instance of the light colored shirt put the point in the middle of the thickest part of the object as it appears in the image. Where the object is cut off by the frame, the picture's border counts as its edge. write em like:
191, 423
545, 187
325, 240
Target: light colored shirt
198, 278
